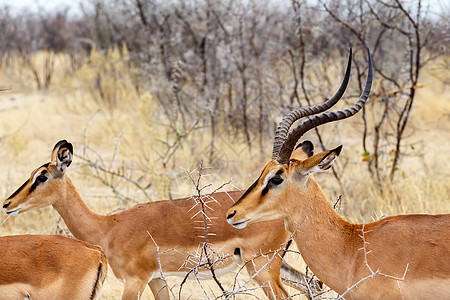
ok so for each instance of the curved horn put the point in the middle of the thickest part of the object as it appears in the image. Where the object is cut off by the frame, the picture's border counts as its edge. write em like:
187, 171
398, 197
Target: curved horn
302, 128
291, 117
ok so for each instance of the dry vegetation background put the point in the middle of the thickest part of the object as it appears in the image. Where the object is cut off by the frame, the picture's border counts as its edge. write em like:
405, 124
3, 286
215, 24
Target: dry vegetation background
148, 90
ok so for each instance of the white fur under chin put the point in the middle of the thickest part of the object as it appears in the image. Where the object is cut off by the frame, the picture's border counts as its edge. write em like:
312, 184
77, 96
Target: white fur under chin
12, 213
238, 225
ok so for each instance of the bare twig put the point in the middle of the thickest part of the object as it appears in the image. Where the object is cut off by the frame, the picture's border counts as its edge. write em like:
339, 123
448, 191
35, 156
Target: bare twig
206, 257
161, 273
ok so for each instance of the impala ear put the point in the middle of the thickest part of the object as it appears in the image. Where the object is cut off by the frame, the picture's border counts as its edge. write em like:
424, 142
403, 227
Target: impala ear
319, 162
62, 155
329, 159
303, 150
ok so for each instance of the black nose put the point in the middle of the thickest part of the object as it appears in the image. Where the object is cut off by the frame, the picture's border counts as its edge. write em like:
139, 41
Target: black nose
231, 215
6, 205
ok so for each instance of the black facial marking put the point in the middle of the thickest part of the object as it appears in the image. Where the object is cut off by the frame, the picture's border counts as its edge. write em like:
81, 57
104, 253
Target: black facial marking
265, 190
251, 188
43, 172
232, 214
18, 190
274, 181
237, 251
40, 179
33, 187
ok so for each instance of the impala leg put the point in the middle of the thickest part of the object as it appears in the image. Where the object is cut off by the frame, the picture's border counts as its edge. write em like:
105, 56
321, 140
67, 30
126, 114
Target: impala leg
159, 289
133, 289
268, 276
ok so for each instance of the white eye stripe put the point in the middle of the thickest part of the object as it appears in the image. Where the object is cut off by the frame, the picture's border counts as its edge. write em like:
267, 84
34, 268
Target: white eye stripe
36, 176
268, 177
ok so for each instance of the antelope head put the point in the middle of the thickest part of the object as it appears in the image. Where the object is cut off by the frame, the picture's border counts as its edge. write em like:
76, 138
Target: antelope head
288, 176
43, 187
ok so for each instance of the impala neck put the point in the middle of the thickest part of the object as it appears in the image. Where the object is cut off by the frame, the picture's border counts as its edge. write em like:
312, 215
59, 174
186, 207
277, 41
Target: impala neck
82, 222
322, 236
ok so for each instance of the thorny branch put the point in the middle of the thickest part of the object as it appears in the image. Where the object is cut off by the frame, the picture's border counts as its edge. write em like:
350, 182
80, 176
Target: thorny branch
206, 257
158, 253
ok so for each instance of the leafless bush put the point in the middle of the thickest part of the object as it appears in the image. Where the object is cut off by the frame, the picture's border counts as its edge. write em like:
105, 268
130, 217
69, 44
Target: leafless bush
239, 65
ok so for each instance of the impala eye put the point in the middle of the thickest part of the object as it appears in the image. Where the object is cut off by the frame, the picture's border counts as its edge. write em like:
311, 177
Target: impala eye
276, 180
41, 178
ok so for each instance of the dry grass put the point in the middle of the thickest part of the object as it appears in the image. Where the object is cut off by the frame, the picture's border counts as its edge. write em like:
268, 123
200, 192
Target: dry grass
33, 121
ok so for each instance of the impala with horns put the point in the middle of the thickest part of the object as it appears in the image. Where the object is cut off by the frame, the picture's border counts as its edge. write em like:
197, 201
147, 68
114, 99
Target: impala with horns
140, 240
45, 267
398, 257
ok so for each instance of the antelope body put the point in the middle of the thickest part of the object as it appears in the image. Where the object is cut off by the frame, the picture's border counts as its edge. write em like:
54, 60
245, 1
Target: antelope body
50, 267
137, 241
398, 257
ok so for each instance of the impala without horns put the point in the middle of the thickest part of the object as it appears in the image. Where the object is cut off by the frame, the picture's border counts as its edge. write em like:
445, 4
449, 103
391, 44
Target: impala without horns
131, 238
398, 257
